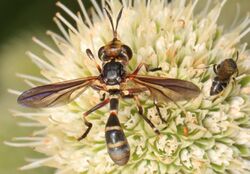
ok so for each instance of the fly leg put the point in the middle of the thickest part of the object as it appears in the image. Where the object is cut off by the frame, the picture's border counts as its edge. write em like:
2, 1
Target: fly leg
88, 124
140, 111
147, 66
131, 93
92, 57
148, 69
234, 82
159, 112
103, 96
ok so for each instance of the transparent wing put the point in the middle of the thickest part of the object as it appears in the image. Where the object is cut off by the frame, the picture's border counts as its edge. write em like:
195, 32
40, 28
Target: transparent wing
54, 94
167, 89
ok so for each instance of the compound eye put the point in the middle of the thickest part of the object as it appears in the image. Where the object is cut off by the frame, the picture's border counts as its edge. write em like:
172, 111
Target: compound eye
128, 51
101, 53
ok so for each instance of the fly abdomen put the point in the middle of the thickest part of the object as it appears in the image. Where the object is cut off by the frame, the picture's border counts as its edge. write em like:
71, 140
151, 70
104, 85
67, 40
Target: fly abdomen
117, 144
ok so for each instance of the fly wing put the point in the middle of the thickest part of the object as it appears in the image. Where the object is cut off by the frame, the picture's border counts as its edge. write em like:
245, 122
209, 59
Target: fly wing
54, 94
168, 89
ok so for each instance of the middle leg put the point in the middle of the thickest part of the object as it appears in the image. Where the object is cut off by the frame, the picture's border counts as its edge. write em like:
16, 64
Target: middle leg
140, 111
131, 93
159, 112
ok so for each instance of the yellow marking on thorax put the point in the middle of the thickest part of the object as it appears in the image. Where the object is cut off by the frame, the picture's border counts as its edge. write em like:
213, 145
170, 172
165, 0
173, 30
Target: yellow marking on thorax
125, 92
110, 87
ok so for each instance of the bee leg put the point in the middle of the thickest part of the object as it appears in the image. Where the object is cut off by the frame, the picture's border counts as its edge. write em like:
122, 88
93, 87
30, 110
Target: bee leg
217, 96
88, 124
234, 82
92, 57
159, 112
140, 111
237, 72
237, 56
215, 68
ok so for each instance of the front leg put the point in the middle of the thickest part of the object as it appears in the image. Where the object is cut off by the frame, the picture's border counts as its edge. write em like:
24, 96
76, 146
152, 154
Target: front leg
147, 66
92, 57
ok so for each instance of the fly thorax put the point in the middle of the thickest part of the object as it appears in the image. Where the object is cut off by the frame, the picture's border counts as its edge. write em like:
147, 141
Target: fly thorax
113, 73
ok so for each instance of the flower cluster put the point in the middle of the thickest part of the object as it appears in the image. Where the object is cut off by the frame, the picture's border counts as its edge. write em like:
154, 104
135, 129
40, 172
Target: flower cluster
167, 35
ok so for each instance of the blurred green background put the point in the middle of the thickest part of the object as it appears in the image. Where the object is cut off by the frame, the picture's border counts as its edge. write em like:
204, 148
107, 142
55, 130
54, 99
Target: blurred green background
20, 20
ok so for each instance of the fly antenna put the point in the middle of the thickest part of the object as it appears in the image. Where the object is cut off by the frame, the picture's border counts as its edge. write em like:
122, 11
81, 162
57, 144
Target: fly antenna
118, 19
112, 23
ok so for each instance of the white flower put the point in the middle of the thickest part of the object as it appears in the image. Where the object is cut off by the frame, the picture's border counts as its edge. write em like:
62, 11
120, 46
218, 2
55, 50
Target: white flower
193, 158
216, 122
220, 154
242, 137
205, 135
235, 107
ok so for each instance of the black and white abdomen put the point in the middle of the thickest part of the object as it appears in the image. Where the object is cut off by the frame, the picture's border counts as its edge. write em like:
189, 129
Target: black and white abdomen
118, 147
218, 86
113, 73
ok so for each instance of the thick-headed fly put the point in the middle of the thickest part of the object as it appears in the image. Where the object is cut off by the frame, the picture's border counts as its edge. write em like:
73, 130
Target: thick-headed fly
112, 79
224, 71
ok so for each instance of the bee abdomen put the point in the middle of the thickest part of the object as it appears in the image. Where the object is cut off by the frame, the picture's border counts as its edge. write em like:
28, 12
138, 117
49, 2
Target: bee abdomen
118, 147
218, 86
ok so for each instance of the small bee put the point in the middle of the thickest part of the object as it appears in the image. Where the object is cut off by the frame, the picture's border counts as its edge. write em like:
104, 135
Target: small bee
224, 71
112, 79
